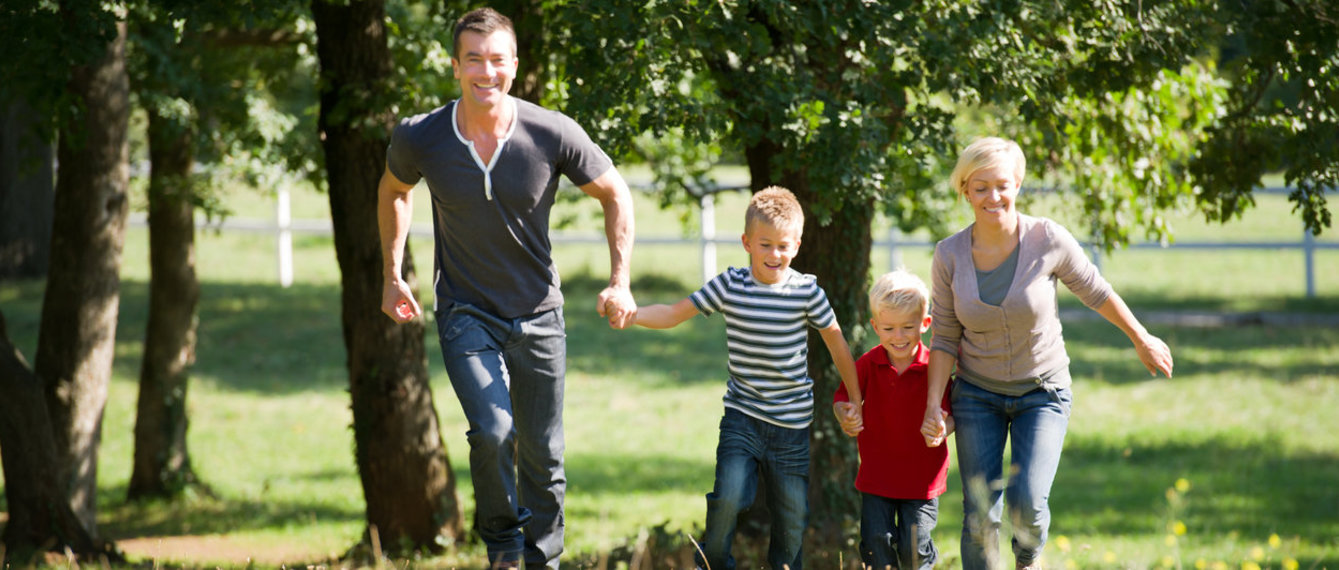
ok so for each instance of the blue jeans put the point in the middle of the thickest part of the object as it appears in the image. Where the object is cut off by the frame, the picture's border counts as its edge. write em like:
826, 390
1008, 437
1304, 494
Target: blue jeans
1035, 425
750, 448
508, 375
895, 533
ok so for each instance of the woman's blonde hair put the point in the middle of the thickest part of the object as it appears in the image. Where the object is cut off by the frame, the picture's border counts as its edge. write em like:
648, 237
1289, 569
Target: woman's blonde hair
987, 152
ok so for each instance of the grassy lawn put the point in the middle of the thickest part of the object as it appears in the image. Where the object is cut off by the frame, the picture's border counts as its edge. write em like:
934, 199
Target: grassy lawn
1231, 462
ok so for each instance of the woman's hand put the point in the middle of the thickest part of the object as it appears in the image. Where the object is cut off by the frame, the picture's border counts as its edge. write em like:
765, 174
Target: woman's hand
1155, 354
933, 428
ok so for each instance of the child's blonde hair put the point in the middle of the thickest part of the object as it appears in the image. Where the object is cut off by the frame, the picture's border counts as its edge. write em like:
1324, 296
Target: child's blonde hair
987, 152
899, 290
777, 207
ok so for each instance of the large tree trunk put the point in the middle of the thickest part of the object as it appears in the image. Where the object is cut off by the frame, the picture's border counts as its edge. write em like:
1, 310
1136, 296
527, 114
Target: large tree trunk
162, 465
40, 517
26, 195
78, 328
407, 480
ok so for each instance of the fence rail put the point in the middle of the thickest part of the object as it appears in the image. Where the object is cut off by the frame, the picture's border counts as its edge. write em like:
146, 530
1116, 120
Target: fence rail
283, 226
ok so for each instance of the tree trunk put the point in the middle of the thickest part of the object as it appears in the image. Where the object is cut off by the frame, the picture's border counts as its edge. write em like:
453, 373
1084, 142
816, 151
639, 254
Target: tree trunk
162, 465
26, 195
407, 480
40, 517
78, 328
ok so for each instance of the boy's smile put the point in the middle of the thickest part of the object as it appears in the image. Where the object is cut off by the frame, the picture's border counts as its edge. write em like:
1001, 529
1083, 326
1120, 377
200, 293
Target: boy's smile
771, 249
899, 332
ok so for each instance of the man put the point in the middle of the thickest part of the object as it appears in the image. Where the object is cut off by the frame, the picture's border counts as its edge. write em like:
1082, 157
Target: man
492, 163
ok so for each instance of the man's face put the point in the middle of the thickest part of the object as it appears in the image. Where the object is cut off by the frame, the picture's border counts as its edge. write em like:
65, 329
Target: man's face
485, 65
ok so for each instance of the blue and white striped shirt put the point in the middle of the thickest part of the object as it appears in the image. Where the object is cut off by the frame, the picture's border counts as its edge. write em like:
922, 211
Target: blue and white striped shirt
766, 334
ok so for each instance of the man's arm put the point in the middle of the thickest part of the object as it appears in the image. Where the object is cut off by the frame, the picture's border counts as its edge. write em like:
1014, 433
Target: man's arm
395, 209
615, 301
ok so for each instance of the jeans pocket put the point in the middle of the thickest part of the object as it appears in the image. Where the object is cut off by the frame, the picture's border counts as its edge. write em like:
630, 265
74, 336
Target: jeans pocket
453, 323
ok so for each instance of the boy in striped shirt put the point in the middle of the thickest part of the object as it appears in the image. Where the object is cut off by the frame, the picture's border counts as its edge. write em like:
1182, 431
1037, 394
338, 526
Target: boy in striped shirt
769, 399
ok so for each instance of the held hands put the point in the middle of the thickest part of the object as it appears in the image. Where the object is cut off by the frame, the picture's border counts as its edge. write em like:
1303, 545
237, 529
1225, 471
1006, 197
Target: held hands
617, 304
1155, 355
397, 301
935, 427
850, 417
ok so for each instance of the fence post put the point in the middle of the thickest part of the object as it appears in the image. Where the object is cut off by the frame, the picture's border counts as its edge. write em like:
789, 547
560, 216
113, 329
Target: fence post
284, 222
894, 256
706, 218
1309, 247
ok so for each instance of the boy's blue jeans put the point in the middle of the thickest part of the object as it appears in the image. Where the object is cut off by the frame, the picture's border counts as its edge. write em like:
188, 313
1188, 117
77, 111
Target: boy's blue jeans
895, 533
1035, 425
750, 448
508, 375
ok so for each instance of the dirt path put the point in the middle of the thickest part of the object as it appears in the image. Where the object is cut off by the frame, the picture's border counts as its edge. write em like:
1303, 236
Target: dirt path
208, 550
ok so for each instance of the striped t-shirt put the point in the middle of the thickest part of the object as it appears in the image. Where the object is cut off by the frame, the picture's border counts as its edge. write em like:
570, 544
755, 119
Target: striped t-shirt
766, 329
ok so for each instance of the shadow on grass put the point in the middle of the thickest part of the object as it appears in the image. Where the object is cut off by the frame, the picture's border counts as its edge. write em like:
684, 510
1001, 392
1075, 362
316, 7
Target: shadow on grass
267, 339
597, 474
1247, 489
252, 337
200, 515
1147, 301
1100, 351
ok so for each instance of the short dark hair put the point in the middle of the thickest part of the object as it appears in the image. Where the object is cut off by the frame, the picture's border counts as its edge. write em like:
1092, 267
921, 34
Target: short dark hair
481, 21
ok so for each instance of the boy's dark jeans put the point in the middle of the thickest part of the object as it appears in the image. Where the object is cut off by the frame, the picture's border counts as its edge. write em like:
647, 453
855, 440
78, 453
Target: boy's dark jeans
750, 448
895, 533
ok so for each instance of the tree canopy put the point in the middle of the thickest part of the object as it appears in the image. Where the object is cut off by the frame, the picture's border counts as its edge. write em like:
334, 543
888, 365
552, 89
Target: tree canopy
1136, 108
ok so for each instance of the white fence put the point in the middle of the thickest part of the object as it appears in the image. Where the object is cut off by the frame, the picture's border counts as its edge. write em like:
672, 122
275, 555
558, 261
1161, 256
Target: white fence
283, 227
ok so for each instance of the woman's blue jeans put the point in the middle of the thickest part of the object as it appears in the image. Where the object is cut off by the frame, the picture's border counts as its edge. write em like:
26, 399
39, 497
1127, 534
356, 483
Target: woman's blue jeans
508, 375
1034, 425
750, 448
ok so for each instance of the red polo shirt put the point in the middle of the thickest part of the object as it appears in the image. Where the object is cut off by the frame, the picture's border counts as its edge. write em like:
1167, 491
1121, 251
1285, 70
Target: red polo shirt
894, 460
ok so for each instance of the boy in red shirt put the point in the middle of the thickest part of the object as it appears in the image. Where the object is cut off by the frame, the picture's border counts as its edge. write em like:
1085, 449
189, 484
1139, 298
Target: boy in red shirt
900, 478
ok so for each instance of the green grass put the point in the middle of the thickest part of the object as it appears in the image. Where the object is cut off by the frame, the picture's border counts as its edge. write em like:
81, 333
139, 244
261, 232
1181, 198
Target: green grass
1247, 421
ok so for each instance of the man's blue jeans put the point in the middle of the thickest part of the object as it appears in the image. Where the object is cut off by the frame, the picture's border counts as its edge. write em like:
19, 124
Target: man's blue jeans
895, 533
750, 448
508, 375
1035, 425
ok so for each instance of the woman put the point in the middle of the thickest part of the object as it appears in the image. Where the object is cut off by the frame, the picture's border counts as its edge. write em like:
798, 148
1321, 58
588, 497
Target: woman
996, 319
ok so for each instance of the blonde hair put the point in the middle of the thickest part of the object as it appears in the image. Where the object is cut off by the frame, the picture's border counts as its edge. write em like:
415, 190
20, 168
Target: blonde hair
899, 290
775, 206
987, 152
